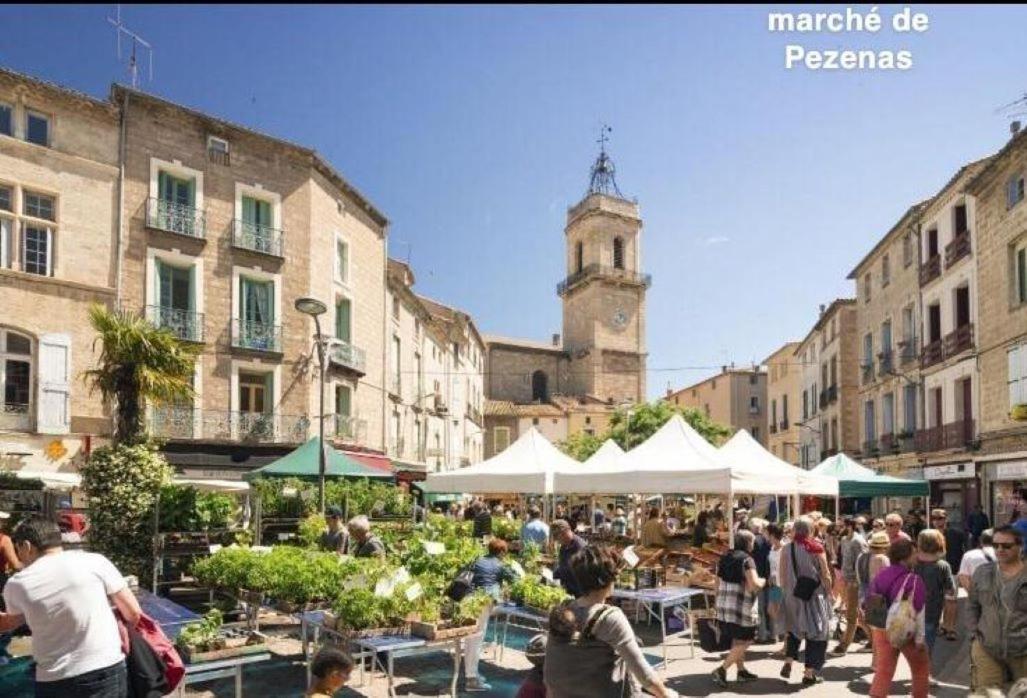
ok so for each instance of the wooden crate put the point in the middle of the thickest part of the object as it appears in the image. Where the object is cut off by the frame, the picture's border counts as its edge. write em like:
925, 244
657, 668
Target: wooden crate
349, 634
442, 630
236, 647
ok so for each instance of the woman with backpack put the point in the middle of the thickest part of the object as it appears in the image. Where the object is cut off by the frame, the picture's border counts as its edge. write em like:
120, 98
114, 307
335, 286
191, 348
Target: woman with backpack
900, 594
738, 584
592, 651
805, 580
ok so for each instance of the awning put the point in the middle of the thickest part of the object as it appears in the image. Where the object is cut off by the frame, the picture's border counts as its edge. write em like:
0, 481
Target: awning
371, 460
855, 480
304, 462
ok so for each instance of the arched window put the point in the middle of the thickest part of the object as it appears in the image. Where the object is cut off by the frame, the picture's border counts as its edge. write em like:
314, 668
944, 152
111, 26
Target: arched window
579, 256
539, 387
15, 380
618, 253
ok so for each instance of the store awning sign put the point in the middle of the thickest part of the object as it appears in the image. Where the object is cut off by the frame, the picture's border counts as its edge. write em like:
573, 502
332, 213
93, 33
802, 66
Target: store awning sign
951, 471
1012, 471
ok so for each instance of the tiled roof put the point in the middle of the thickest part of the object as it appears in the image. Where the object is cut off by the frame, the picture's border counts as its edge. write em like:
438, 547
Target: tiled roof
506, 408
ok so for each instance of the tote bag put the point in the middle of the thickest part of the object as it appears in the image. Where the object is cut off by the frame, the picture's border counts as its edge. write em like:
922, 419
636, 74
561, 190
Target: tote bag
901, 626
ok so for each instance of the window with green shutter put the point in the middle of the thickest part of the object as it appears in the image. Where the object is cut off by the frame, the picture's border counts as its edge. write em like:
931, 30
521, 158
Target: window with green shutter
343, 311
1021, 274
343, 400
176, 190
256, 212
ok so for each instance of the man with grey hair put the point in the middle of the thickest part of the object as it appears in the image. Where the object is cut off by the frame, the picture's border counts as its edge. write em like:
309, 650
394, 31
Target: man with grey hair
366, 543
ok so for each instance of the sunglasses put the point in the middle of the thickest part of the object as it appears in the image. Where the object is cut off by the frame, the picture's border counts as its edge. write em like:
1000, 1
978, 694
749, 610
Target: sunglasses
1007, 546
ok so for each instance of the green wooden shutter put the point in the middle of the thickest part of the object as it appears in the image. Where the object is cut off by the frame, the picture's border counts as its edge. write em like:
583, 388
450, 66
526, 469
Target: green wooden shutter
1021, 274
164, 187
342, 320
263, 213
191, 195
249, 210
269, 384
342, 401
160, 283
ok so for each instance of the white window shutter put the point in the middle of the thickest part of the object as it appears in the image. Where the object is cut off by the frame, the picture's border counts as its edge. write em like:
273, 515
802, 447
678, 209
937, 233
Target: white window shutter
53, 412
1022, 351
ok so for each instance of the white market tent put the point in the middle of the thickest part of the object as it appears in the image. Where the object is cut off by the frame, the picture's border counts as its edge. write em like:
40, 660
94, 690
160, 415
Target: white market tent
606, 458
747, 456
526, 467
586, 478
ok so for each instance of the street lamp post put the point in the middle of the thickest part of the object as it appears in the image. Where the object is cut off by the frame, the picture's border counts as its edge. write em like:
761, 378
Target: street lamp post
315, 308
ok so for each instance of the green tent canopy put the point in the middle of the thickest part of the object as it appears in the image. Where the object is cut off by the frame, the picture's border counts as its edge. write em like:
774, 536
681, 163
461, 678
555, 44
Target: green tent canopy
303, 462
855, 480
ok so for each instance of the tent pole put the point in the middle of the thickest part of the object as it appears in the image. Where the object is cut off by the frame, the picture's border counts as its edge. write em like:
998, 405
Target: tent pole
837, 507
731, 511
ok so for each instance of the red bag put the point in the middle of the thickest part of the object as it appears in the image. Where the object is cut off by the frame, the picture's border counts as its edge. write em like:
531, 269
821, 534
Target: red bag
163, 648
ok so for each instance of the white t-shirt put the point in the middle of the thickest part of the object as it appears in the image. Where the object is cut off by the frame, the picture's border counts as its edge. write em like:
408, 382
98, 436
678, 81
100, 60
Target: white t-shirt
775, 562
974, 559
63, 597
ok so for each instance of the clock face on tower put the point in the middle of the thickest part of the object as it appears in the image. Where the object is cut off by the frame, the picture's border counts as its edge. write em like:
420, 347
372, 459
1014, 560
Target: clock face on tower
620, 319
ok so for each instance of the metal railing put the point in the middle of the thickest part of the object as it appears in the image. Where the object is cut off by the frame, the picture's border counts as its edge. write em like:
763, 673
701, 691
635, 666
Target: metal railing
823, 399
223, 425
14, 416
185, 324
219, 157
870, 448
258, 336
959, 340
601, 271
439, 404
884, 364
867, 370
930, 270
257, 238
933, 353
959, 434
348, 356
175, 218
473, 414
907, 351
958, 248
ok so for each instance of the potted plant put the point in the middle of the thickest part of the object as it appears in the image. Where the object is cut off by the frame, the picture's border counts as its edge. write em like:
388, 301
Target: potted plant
1019, 412
205, 640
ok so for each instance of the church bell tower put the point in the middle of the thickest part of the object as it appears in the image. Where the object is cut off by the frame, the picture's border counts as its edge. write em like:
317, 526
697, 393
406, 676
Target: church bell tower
604, 291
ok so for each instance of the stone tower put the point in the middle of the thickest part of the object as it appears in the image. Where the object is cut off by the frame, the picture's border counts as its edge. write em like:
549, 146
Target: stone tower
604, 292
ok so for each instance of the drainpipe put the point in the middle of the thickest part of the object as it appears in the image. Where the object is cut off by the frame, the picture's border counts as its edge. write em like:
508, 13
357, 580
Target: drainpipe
385, 338
119, 215
922, 387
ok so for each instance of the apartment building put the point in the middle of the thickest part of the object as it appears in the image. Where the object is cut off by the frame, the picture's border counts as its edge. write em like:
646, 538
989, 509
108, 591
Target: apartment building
736, 397
888, 331
224, 229
830, 392
1001, 326
58, 224
784, 395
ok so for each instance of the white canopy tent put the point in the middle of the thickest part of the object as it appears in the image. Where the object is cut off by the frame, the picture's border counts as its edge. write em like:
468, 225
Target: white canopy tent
586, 478
525, 467
746, 455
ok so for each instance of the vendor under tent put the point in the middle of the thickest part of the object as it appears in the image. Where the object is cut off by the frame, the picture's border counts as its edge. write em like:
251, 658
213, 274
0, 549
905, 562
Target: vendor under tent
526, 467
855, 480
303, 462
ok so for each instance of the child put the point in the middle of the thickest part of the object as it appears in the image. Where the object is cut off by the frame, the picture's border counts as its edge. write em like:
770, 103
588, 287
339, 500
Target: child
533, 686
331, 669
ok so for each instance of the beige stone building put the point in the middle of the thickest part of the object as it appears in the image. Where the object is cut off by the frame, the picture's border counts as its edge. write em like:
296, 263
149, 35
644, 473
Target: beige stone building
784, 396
888, 336
58, 225
830, 392
1001, 328
736, 397
599, 363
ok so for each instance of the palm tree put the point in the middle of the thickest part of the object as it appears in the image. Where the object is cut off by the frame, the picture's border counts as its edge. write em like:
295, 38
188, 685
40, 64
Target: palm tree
138, 363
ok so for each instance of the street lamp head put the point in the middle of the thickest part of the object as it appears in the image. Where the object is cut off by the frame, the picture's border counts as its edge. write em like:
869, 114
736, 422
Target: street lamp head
310, 306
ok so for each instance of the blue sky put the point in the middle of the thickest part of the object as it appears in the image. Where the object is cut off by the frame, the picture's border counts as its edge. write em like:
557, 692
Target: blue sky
473, 128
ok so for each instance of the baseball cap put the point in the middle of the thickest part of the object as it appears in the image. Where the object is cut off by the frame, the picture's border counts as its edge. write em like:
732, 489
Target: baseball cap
333, 512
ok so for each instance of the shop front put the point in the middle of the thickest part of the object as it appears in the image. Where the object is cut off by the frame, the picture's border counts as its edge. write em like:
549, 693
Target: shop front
885, 505
955, 488
1007, 484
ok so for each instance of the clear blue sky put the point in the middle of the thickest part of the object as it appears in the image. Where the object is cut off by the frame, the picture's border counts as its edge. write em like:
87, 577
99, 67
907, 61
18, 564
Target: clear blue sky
474, 128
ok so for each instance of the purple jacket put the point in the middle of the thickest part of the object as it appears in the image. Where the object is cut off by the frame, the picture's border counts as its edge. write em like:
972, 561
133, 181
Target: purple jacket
890, 582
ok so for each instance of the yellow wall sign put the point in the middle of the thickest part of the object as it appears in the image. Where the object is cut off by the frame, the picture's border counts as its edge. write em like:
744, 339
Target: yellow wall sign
55, 450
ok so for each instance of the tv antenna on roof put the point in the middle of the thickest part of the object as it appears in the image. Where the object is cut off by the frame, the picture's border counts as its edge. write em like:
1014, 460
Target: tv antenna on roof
137, 41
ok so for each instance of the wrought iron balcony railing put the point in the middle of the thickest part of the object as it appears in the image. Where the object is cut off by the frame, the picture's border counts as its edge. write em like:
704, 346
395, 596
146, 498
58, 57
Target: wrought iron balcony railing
959, 340
884, 364
867, 369
930, 270
184, 324
258, 336
959, 434
907, 351
14, 416
599, 271
933, 353
175, 218
347, 356
472, 413
187, 423
958, 248
823, 399
257, 238
870, 448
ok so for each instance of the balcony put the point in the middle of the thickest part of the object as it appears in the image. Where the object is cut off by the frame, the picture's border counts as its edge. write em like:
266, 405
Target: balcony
884, 364
958, 434
932, 353
867, 370
959, 340
754, 409
257, 238
598, 271
832, 394
870, 448
346, 356
958, 248
256, 336
186, 423
219, 156
346, 428
888, 443
907, 351
175, 218
185, 325
473, 414
15, 416
930, 270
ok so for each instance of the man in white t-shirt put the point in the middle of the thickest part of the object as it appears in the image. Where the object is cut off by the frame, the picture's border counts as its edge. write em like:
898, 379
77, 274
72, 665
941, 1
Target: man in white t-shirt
973, 559
65, 598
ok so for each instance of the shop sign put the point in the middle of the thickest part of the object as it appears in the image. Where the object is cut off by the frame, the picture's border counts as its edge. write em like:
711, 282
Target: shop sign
951, 471
1012, 471
211, 474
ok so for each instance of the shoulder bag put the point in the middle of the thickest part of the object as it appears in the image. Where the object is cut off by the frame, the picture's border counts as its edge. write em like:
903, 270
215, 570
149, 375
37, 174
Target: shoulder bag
805, 587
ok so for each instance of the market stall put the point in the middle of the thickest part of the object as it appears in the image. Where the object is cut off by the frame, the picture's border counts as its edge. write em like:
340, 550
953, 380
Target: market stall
855, 480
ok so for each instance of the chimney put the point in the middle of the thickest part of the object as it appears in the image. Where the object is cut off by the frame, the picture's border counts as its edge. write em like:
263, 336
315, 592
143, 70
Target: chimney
723, 368
1014, 128
822, 308
556, 339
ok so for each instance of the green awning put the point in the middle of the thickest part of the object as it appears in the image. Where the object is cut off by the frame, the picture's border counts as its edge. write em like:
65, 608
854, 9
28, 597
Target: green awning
855, 480
303, 462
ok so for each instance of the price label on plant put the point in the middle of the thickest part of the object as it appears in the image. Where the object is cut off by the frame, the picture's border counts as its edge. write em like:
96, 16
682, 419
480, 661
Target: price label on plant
414, 591
400, 576
629, 556
284, 536
214, 547
547, 573
384, 588
516, 567
433, 548
354, 582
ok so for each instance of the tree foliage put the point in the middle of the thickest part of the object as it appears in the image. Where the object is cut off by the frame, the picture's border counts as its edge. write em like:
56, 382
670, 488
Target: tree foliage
138, 363
644, 420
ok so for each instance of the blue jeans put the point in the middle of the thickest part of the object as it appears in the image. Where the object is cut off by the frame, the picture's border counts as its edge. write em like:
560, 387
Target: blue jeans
765, 628
930, 635
109, 682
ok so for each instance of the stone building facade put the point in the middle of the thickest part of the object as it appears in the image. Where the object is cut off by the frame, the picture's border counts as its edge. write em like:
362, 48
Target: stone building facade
58, 237
784, 397
736, 398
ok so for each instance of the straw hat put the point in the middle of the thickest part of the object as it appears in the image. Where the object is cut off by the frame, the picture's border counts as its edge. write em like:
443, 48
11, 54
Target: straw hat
879, 539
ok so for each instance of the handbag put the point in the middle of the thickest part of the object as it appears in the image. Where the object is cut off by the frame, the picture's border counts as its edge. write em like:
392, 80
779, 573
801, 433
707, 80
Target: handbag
462, 585
712, 638
805, 587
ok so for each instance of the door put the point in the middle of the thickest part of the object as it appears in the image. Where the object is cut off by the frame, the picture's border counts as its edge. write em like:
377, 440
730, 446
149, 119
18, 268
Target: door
256, 228
177, 199
937, 407
962, 306
934, 323
256, 313
968, 414
932, 243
